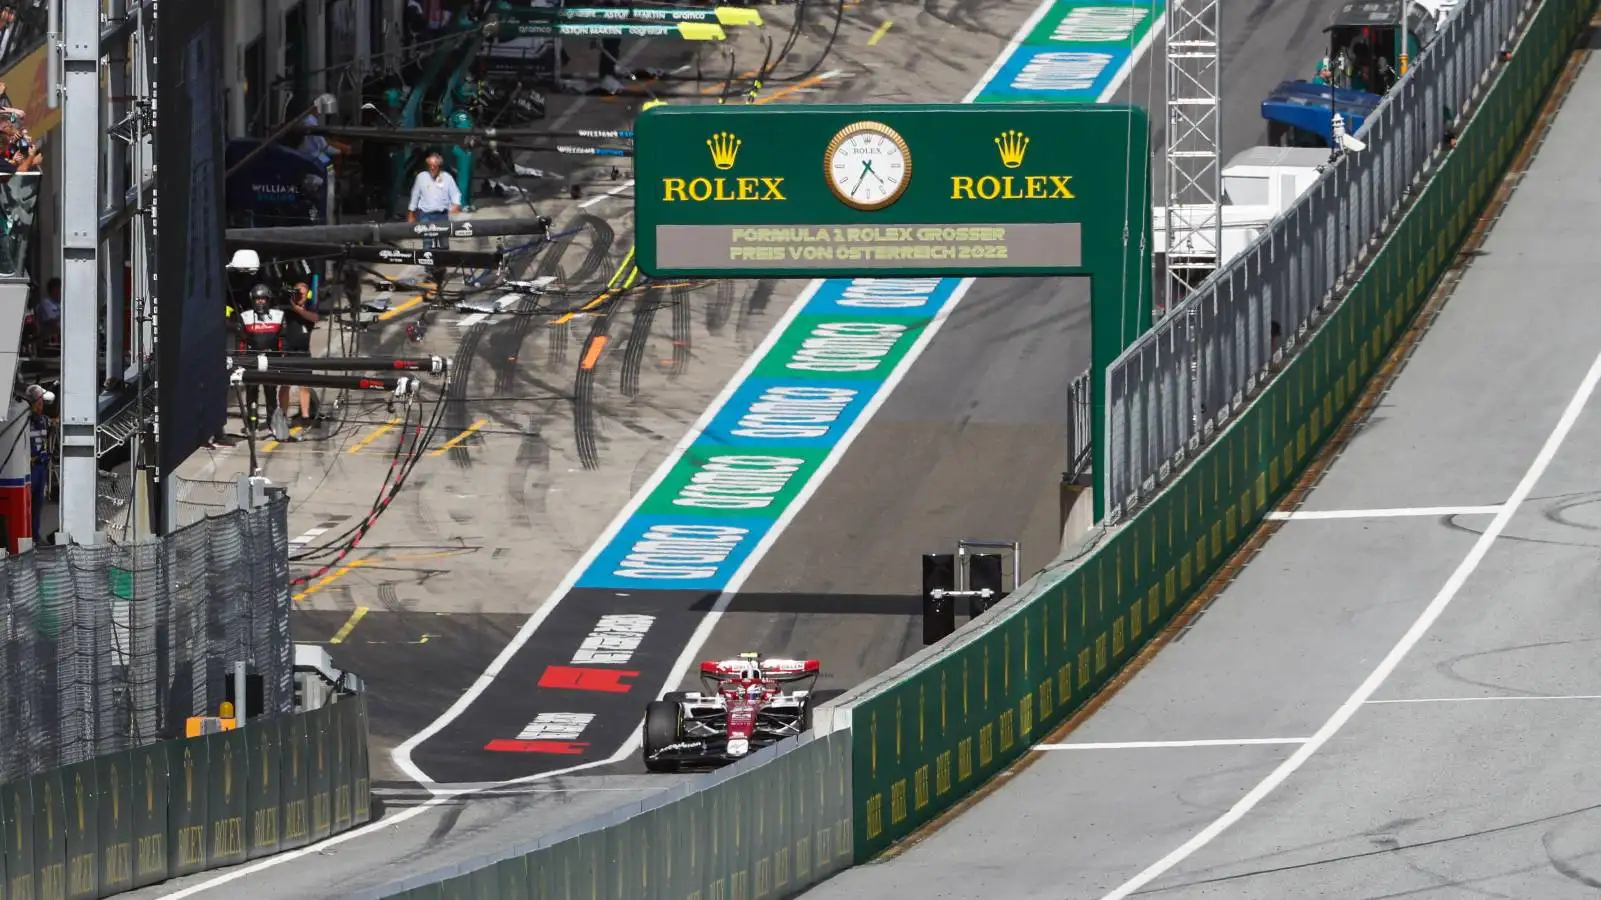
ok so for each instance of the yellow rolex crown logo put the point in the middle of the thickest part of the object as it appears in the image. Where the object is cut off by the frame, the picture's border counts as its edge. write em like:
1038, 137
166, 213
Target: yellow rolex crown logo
725, 148
1012, 144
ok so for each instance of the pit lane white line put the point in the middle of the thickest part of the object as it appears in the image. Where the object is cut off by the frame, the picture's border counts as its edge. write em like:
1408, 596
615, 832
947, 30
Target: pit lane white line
1489, 699
401, 755
600, 198
1304, 515
1376, 679
1163, 745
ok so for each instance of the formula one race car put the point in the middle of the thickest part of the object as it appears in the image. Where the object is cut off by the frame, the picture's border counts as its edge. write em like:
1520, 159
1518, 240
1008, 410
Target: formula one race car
744, 707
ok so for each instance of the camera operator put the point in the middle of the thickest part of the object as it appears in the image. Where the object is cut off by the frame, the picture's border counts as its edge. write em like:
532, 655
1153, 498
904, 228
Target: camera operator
300, 320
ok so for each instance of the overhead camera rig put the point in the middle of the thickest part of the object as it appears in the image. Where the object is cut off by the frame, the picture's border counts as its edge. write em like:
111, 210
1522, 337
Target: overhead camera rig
368, 253
386, 233
355, 246
267, 370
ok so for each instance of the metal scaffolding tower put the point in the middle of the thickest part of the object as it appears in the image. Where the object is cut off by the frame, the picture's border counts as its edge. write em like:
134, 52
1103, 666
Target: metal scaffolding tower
77, 90
100, 75
1194, 150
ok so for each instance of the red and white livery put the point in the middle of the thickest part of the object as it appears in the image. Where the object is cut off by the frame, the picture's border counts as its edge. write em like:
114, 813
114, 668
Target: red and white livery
745, 704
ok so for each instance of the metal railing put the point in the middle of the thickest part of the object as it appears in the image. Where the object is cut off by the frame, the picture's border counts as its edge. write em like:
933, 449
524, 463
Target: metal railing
109, 648
1175, 387
1079, 428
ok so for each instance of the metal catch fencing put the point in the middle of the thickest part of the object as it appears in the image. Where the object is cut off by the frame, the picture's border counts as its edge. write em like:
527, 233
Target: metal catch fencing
1078, 427
1174, 388
113, 647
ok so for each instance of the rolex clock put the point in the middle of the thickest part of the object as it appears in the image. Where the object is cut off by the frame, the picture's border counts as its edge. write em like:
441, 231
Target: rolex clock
867, 165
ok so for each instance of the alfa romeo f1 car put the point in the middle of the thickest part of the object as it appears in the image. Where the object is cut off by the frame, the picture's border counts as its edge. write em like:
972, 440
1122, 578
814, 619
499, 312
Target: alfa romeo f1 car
745, 705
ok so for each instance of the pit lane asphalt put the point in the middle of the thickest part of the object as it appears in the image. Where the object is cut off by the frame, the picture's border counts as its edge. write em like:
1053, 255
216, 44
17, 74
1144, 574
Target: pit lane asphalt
503, 501
1469, 772
467, 553
920, 59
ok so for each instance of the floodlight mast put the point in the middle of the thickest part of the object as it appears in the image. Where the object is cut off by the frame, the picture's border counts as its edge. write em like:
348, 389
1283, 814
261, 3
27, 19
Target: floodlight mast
1194, 148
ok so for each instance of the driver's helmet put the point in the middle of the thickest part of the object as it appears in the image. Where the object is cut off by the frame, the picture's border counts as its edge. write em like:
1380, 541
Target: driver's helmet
754, 691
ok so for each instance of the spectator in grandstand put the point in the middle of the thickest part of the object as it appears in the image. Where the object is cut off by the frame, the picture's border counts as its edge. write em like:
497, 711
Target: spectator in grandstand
435, 197
19, 153
299, 320
6, 107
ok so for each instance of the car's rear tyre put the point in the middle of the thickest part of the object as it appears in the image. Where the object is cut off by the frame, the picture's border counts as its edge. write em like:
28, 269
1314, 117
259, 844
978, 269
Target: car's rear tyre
661, 730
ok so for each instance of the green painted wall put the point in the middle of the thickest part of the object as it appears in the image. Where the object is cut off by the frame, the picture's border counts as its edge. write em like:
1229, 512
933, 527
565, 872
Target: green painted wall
767, 831
928, 740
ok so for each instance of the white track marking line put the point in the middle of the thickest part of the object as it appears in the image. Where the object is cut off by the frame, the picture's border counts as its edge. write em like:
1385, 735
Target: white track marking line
1005, 56
708, 622
1375, 680
500, 306
1162, 745
1134, 57
601, 198
1490, 699
310, 535
1306, 515
401, 755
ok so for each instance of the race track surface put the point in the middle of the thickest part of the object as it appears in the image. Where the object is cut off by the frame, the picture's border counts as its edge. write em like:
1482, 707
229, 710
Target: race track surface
1466, 771
970, 444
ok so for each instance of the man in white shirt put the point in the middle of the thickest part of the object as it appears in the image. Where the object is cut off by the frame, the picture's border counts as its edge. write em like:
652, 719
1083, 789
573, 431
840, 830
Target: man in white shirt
435, 197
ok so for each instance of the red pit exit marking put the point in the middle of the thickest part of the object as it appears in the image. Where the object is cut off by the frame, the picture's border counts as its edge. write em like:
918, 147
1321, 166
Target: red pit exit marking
560, 748
574, 678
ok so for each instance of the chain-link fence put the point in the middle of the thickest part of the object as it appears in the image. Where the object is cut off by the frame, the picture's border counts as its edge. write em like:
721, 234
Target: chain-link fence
119, 512
110, 647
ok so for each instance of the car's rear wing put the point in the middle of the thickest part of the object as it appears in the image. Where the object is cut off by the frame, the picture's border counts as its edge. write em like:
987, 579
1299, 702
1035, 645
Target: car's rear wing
783, 671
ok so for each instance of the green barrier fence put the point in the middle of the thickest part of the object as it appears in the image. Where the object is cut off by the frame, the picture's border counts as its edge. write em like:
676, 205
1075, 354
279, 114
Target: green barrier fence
122, 821
765, 830
932, 737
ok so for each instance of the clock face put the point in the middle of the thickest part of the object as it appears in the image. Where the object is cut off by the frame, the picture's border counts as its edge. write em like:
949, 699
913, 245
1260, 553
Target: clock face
867, 165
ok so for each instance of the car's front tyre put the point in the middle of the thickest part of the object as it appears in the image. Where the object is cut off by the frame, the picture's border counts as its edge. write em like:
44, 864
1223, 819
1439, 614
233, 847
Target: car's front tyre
662, 721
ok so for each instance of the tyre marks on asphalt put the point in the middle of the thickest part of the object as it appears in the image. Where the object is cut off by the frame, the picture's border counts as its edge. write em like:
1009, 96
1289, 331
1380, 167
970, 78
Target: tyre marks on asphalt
687, 537
585, 433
